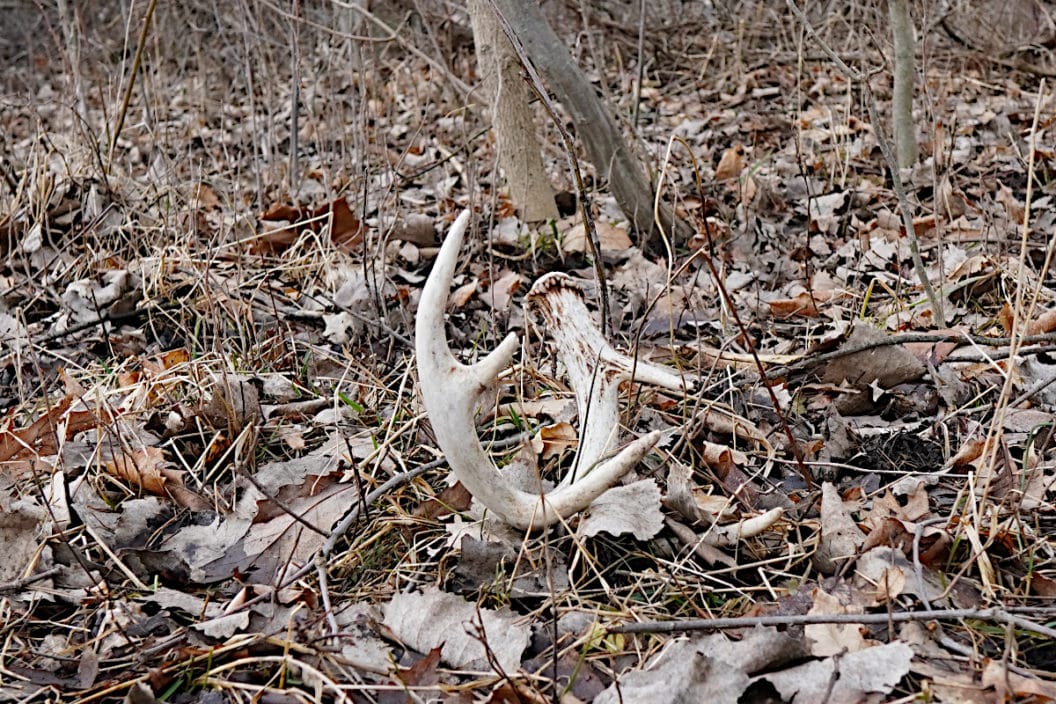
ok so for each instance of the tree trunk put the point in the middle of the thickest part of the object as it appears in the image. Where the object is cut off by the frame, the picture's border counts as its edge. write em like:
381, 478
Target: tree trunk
904, 78
605, 145
506, 97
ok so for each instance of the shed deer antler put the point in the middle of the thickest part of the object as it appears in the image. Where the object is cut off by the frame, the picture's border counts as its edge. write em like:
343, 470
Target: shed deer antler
451, 391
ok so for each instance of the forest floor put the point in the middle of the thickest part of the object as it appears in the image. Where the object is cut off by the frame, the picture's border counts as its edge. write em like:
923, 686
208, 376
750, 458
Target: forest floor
219, 482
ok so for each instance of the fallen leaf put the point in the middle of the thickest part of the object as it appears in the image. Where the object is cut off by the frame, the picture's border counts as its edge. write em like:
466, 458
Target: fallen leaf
415, 228
205, 197
823, 212
840, 535
1046, 322
500, 293
140, 468
731, 164
633, 508
556, 439
22, 521
888, 365
38, 438
346, 231
847, 678
712, 668
832, 638
610, 238
460, 628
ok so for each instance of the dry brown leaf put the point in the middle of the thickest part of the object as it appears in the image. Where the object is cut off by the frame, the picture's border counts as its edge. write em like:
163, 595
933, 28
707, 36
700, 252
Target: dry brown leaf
37, 439
556, 438
935, 352
282, 211
711, 668
722, 456
500, 294
731, 164
154, 366
415, 228
972, 266
610, 238
715, 232
892, 222
748, 190
970, 451
1010, 686
346, 231
205, 197
806, 303
633, 508
888, 366
434, 619
691, 500
852, 677
832, 638
803, 305
19, 536
917, 502
824, 212
141, 468
1044, 323
1015, 210
292, 437
461, 295
1005, 317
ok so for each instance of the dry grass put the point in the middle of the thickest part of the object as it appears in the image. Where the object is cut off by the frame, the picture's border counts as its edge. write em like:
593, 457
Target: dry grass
182, 299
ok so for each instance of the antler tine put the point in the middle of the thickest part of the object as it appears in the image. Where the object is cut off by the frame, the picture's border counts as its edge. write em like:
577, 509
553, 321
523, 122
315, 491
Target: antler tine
595, 369
451, 390
429, 325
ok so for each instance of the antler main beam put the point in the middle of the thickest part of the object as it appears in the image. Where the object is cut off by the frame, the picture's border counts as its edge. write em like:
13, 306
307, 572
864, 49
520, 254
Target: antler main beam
451, 392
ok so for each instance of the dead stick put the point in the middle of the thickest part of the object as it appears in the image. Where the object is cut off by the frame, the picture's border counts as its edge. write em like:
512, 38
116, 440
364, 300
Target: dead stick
704, 624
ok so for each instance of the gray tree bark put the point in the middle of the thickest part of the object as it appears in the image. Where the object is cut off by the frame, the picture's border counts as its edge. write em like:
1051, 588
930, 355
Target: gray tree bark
507, 103
595, 126
904, 80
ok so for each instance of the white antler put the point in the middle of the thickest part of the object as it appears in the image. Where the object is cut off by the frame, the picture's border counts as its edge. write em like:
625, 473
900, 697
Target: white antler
451, 391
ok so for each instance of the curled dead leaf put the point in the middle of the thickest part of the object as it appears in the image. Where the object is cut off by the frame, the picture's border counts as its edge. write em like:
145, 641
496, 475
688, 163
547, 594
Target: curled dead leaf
346, 230
731, 164
610, 237
557, 438
144, 469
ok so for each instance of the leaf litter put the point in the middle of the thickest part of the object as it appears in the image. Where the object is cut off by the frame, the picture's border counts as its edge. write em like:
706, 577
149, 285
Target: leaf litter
216, 478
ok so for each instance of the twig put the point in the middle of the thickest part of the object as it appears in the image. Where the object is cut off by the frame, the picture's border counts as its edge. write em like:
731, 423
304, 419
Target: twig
811, 360
797, 451
641, 67
324, 592
407, 44
703, 624
127, 98
17, 585
295, 99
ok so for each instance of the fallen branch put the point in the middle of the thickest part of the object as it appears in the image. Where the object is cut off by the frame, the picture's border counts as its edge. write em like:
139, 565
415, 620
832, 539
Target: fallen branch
704, 624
